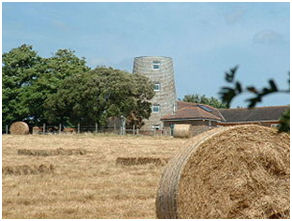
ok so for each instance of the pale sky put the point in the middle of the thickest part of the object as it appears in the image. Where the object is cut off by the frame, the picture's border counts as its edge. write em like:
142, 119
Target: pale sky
204, 39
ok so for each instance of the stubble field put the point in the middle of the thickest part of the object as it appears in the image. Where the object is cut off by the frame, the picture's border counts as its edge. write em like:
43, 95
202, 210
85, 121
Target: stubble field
84, 183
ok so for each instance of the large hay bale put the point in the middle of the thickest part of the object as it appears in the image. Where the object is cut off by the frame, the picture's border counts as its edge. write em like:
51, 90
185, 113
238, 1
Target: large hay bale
19, 128
182, 130
236, 172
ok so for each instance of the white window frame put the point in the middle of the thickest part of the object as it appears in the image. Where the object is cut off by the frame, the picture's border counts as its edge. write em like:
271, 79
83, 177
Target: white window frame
157, 106
156, 127
275, 125
159, 86
156, 63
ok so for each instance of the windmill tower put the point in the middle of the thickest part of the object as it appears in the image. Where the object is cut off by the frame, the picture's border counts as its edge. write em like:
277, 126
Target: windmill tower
159, 69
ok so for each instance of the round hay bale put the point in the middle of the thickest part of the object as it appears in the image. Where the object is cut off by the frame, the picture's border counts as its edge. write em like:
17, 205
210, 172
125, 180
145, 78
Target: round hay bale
182, 130
229, 172
19, 128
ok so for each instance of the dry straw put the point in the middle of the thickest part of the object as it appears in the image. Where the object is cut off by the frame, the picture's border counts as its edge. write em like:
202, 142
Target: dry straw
182, 130
236, 172
59, 151
19, 128
131, 161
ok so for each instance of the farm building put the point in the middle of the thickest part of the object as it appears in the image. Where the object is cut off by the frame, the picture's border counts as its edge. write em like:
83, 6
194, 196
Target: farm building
265, 116
204, 117
166, 111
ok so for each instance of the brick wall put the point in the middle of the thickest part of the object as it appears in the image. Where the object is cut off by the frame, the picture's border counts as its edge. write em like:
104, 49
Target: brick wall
197, 127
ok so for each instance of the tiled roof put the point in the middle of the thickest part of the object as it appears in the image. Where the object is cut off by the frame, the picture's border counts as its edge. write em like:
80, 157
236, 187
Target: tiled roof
194, 111
272, 113
215, 111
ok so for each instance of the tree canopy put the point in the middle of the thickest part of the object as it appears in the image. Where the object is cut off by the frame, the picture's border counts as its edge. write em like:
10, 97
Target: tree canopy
202, 99
20, 68
100, 94
62, 89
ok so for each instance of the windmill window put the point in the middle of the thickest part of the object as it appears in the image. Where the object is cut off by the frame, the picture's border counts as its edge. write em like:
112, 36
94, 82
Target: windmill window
155, 108
157, 87
156, 65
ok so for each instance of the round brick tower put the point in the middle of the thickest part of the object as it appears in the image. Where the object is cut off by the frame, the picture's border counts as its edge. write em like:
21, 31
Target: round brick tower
159, 69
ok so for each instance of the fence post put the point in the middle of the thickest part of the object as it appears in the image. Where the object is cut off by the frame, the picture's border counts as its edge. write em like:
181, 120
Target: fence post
79, 128
44, 128
6, 127
137, 131
60, 128
96, 127
123, 125
134, 129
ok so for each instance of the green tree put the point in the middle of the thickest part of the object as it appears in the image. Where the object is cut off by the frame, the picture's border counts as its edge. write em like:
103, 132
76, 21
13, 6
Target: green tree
229, 93
202, 99
100, 94
20, 67
55, 69
29, 79
142, 92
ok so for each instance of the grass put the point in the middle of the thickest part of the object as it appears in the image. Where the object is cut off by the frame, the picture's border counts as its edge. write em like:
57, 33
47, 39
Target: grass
84, 186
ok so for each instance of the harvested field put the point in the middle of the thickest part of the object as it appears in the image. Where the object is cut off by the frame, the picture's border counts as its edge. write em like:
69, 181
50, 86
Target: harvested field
46, 152
130, 161
26, 169
239, 172
88, 186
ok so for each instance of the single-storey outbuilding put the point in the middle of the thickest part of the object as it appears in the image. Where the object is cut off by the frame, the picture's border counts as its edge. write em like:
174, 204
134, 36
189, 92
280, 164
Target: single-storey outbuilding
203, 117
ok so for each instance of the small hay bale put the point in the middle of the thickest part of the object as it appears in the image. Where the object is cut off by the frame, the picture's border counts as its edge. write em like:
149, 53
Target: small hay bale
27, 170
182, 130
54, 152
36, 130
69, 130
231, 172
132, 161
19, 128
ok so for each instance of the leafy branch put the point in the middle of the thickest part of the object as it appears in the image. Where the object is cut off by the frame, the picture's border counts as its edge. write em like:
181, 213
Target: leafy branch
227, 94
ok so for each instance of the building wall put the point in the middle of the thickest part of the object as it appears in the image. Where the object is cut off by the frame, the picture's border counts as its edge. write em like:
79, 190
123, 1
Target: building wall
197, 127
201, 126
266, 123
166, 97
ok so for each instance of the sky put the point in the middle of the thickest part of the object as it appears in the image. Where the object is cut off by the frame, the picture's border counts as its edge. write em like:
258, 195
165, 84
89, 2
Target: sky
204, 39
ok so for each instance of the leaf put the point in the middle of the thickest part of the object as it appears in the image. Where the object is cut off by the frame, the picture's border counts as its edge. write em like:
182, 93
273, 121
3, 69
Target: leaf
238, 87
227, 94
273, 85
229, 76
252, 89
